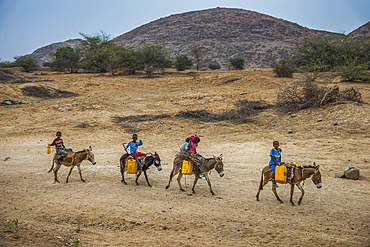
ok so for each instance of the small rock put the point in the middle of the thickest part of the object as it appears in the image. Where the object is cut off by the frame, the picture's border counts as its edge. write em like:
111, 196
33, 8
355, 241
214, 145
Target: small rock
268, 115
352, 173
293, 115
7, 158
7, 102
319, 120
273, 124
335, 124
339, 175
165, 228
290, 131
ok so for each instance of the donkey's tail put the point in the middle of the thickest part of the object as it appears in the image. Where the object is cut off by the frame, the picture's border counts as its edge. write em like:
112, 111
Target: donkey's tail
52, 166
261, 187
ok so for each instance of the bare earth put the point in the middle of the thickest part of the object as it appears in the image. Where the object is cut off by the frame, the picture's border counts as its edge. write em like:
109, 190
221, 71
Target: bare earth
105, 212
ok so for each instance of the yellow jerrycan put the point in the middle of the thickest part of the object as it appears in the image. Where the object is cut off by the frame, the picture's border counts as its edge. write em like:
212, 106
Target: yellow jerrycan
280, 174
187, 167
48, 149
132, 166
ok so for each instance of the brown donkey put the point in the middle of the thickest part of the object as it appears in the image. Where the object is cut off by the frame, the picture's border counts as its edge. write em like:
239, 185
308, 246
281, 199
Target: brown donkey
299, 174
208, 165
73, 159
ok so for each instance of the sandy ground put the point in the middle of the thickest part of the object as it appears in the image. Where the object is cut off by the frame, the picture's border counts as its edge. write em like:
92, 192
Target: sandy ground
105, 212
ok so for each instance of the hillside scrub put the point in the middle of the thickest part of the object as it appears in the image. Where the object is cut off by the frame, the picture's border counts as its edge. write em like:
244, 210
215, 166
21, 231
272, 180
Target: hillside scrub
317, 54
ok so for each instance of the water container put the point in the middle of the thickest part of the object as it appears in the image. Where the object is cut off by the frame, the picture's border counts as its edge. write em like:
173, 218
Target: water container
187, 167
48, 149
131, 166
280, 174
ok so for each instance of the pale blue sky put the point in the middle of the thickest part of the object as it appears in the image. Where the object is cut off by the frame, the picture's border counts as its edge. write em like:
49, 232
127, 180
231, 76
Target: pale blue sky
26, 25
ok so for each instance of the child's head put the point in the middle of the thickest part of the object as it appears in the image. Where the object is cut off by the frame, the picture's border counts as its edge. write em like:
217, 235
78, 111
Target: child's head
59, 134
196, 140
134, 137
187, 139
275, 144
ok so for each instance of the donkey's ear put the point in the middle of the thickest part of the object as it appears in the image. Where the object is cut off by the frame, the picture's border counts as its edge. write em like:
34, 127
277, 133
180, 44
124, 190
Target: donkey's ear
90, 148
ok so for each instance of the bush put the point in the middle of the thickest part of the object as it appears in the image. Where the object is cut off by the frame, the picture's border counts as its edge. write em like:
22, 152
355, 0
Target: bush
283, 69
28, 63
214, 66
236, 63
182, 63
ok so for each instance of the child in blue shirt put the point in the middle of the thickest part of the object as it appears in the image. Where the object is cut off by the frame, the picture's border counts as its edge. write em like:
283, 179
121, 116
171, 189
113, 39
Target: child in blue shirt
275, 155
134, 145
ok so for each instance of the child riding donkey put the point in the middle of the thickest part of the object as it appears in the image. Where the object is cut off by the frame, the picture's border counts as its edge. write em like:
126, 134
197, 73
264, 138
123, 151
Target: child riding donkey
59, 147
134, 145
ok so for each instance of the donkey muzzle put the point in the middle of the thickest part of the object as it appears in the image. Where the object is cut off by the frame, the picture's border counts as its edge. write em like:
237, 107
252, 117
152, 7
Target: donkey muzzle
222, 174
94, 162
159, 168
319, 185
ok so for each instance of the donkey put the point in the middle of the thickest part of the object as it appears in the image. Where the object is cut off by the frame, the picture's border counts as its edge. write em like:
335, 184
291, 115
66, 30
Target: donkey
208, 165
299, 174
72, 159
149, 160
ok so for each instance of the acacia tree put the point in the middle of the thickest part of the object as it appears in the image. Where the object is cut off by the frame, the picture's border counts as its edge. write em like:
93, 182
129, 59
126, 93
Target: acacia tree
152, 57
28, 63
66, 58
95, 51
197, 53
236, 63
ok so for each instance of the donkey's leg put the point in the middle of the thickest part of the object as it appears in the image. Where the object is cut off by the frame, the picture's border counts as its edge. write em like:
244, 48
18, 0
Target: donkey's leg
52, 164
55, 171
122, 169
174, 171
137, 177
275, 193
178, 181
195, 182
146, 177
291, 194
263, 183
302, 190
209, 184
69, 173
79, 171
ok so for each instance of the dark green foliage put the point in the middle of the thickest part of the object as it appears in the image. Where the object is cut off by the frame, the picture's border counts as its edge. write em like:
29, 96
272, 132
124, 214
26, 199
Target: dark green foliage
182, 63
66, 58
214, 66
236, 63
168, 63
6, 64
95, 50
318, 54
152, 57
28, 63
283, 69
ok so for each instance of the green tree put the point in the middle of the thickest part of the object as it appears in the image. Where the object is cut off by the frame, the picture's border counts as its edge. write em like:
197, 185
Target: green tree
152, 57
28, 63
214, 66
236, 63
182, 63
95, 51
66, 58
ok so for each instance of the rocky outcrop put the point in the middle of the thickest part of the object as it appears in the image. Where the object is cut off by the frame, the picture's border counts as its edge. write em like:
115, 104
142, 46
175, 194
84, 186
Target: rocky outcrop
363, 31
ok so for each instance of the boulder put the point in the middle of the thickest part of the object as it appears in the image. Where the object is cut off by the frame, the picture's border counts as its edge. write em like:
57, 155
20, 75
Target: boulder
352, 173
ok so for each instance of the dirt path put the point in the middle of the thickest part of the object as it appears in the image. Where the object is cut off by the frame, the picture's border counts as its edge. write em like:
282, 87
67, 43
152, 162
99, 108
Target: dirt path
105, 212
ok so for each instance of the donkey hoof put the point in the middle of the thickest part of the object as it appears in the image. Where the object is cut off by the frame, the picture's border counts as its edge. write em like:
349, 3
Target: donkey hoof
182, 190
125, 183
167, 187
83, 180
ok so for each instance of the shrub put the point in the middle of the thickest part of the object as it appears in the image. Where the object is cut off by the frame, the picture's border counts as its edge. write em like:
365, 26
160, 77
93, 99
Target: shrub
236, 63
214, 66
182, 63
28, 63
283, 69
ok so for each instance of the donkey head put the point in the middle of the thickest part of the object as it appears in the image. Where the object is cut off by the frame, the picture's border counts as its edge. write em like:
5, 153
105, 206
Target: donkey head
219, 166
316, 177
157, 161
90, 155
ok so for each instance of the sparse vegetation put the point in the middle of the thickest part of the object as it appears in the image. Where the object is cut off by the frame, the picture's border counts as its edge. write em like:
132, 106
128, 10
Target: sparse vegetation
283, 69
197, 53
28, 63
214, 66
12, 225
182, 63
236, 63
65, 58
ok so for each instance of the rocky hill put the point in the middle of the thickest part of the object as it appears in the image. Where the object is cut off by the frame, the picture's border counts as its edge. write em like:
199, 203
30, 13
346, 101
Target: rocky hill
364, 30
42, 54
222, 33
